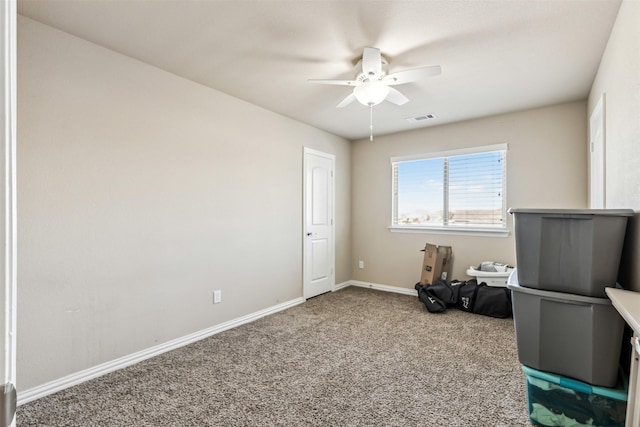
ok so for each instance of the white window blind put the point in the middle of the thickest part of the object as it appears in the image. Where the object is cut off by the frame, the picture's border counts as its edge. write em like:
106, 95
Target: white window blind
463, 191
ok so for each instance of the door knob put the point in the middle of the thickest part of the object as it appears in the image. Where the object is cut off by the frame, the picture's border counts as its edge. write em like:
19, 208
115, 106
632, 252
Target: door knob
309, 234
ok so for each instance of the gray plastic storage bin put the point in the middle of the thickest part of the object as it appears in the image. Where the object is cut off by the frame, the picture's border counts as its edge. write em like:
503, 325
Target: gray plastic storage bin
570, 335
569, 250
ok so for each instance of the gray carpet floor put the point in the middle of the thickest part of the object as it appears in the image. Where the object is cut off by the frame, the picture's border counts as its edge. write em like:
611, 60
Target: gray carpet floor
356, 357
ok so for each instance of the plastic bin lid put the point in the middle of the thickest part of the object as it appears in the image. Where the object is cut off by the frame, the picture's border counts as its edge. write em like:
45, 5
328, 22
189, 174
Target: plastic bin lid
601, 212
512, 284
559, 296
614, 393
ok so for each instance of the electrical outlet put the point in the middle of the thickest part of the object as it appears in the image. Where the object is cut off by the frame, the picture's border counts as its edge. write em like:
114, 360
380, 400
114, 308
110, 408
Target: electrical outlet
217, 297
361, 264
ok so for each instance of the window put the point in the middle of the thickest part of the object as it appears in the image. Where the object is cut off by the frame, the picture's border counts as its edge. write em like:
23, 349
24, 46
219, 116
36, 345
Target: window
462, 190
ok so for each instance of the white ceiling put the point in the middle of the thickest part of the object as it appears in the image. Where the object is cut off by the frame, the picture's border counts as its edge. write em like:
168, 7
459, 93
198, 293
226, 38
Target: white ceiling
496, 55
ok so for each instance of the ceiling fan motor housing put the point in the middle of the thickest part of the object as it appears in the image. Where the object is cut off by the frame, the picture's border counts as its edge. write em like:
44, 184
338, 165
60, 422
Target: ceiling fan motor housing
361, 76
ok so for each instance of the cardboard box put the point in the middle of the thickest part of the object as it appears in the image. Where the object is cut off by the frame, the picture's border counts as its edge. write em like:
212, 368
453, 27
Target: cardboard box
436, 264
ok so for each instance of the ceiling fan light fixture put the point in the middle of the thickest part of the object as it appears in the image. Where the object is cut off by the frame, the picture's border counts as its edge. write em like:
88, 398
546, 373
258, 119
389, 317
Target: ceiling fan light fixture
373, 85
371, 92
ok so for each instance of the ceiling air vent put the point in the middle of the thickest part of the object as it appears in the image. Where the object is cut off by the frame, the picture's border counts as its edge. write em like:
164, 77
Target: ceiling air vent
421, 118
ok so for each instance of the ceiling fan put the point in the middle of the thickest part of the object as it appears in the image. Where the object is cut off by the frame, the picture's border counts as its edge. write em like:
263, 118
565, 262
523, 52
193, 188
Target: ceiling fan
372, 84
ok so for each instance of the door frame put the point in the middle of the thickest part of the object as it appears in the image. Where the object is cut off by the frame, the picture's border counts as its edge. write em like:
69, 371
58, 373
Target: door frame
598, 156
8, 122
332, 157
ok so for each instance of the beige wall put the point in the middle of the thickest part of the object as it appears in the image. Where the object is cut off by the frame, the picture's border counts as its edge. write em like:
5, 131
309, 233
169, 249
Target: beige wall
619, 78
546, 168
139, 194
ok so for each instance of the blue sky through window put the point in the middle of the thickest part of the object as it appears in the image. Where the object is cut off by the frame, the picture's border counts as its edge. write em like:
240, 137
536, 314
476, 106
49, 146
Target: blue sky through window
420, 190
475, 190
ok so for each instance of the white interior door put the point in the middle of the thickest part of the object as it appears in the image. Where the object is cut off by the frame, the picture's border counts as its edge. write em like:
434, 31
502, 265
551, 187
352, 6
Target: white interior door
8, 214
318, 209
597, 177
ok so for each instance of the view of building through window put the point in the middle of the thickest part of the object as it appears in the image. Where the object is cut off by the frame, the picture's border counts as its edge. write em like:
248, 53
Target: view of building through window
453, 191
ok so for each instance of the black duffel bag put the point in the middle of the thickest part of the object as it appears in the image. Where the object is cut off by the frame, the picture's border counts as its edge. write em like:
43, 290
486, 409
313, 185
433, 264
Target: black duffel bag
482, 299
438, 296
467, 296
432, 303
445, 291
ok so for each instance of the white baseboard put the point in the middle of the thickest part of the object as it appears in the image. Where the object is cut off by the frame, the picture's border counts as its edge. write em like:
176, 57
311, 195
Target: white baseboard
341, 285
122, 362
379, 287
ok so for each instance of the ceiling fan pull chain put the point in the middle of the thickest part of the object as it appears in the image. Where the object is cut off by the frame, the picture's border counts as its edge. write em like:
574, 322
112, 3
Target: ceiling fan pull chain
370, 122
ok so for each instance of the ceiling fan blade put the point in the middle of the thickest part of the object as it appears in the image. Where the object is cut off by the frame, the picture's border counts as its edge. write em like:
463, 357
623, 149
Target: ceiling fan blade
396, 97
371, 61
408, 76
348, 100
335, 82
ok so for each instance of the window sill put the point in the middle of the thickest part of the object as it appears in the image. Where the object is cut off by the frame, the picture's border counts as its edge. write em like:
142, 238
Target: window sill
464, 231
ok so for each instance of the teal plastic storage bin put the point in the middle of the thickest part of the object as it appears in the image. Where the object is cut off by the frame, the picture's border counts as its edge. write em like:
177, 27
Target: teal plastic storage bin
558, 401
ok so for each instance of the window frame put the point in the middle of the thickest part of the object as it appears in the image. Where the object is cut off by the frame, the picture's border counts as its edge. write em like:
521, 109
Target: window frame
502, 231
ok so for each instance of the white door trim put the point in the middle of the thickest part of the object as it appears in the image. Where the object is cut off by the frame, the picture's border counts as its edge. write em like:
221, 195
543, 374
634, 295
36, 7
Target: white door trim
9, 250
597, 156
331, 157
